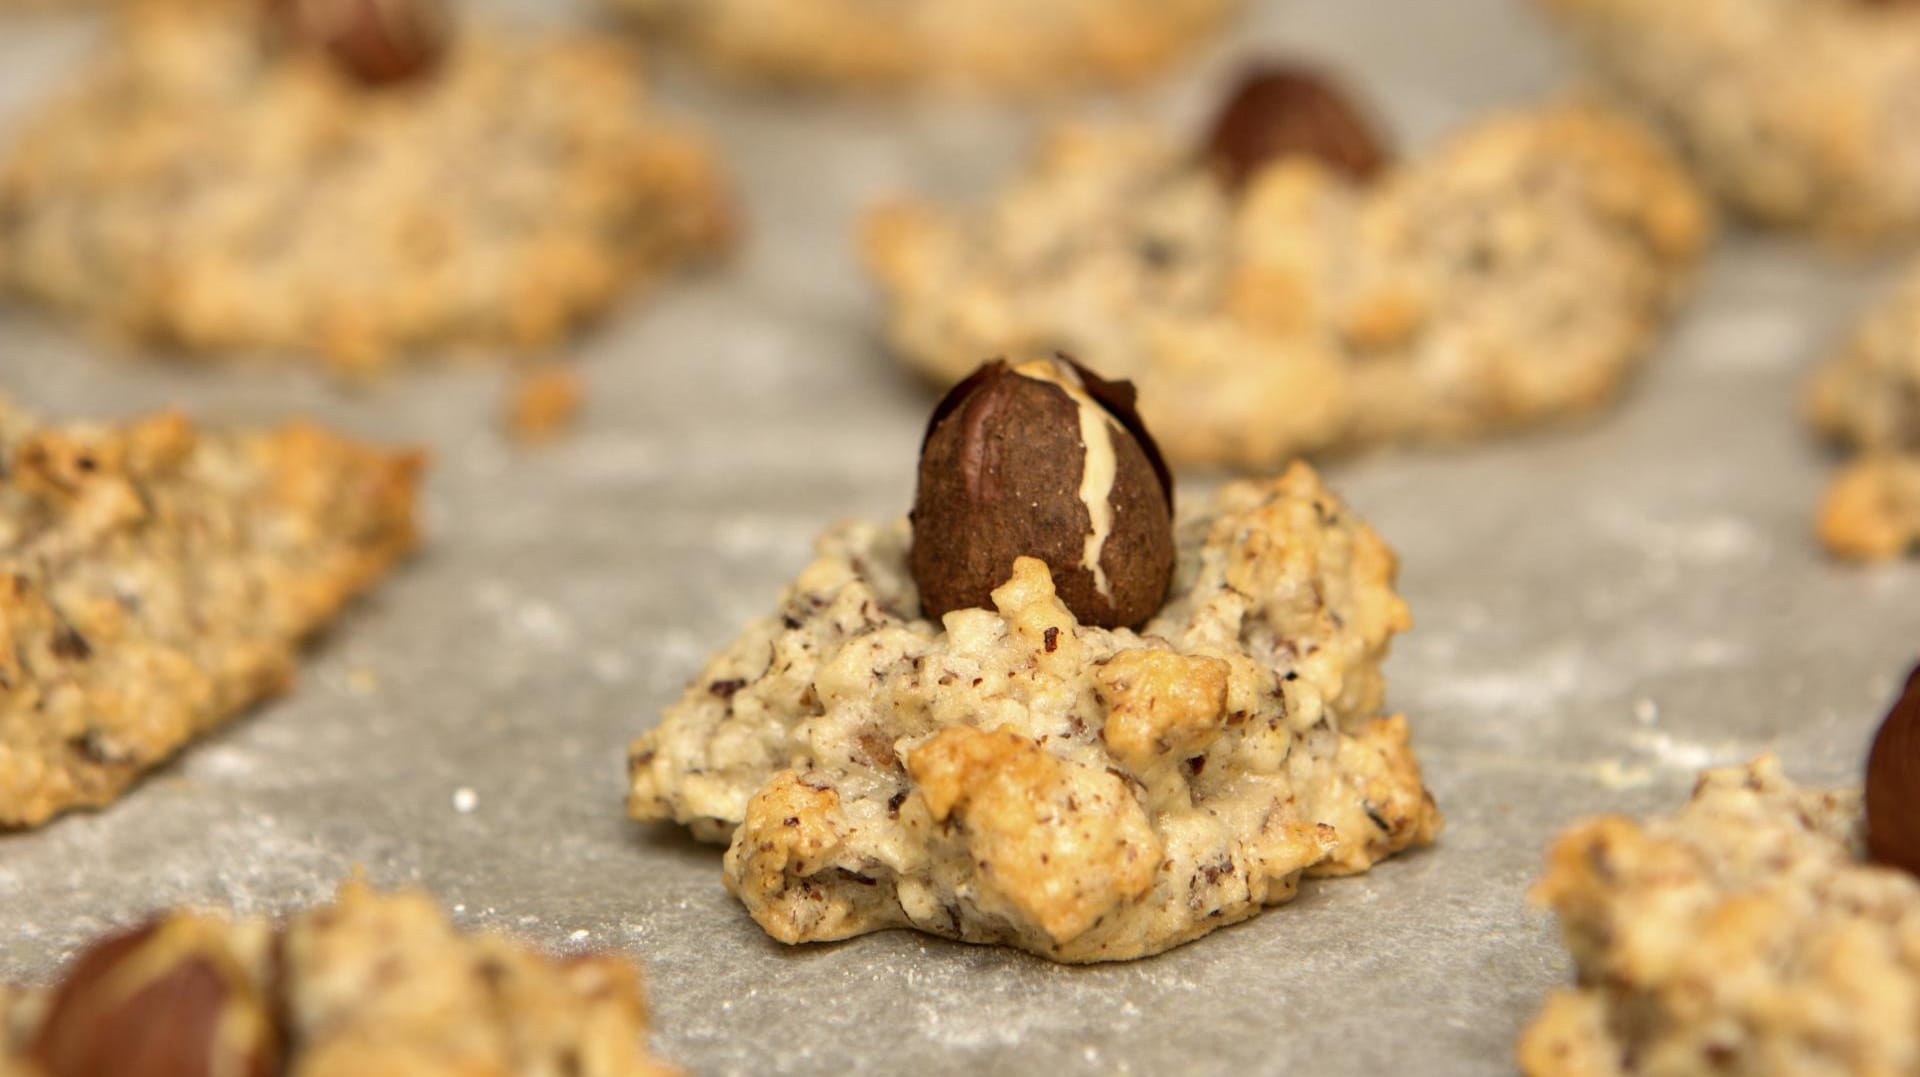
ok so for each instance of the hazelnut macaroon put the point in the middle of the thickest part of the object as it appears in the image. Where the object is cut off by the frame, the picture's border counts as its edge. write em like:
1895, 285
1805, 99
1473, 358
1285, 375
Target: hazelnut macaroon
349, 182
1047, 712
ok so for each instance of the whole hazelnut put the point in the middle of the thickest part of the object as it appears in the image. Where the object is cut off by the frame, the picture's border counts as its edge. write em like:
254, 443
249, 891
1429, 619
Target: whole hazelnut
163, 1000
378, 42
1284, 110
1043, 459
1893, 783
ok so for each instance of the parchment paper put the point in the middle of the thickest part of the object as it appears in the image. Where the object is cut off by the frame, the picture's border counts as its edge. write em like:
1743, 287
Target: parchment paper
1600, 612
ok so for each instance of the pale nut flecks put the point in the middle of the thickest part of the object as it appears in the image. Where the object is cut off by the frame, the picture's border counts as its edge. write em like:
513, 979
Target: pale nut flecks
1285, 110
1046, 460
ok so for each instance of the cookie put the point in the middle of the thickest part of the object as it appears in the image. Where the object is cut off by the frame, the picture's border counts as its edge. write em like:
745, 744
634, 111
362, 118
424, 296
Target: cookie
1011, 46
1794, 112
371, 984
1743, 934
207, 187
157, 579
1011, 775
1865, 398
1517, 273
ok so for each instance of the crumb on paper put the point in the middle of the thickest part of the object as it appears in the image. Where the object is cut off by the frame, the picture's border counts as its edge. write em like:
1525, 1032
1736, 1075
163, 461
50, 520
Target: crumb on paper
1646, 711
362, 681
1619, 774
465, 800
543, 403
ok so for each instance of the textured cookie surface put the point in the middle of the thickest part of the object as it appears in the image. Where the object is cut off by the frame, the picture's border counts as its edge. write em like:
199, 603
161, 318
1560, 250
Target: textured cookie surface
1011, 776
200, 189
1011, 45
156, 579
370, 985
1742, 935
1865, 397
1798, 112
1516, 273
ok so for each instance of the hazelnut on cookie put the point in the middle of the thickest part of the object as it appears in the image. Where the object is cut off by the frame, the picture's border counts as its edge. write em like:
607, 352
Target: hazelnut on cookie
369, 985
1865, 398
348, 180
1281, 285
1049, 711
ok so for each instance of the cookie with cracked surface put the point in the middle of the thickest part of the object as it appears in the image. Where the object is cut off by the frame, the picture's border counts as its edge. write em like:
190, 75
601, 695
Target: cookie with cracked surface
1795, 112
1517, 273
156, 580
1005, 46
372, 983
1746, 933
1865, 398
1010, 775
206, 187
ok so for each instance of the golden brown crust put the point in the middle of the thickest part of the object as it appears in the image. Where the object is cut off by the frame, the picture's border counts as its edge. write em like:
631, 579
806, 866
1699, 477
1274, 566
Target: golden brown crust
158, 581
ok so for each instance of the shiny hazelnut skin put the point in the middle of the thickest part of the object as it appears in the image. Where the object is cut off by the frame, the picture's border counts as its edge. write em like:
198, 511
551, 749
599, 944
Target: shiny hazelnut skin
151, 1002
1893, 784
1287, 110
1045, 460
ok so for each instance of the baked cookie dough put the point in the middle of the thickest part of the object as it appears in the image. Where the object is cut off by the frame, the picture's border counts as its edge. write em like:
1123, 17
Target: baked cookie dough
156, 579
1005, 45
1865, 397
1796, 112
1514, 274
1012, 776
371, 985
199, 189
1744, 934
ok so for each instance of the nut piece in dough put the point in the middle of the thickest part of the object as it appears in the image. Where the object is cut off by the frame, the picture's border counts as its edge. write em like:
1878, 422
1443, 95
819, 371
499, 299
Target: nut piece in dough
1012, 775
1744, 934
1514, 274
156, 580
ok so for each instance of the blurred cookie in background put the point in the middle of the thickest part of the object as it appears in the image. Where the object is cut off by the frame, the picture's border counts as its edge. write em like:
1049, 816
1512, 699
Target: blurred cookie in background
1798, 113
1005, 46
1281, 285
348, 181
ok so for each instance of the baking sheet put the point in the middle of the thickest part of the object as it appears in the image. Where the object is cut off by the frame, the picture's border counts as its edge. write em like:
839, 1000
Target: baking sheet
1599, 612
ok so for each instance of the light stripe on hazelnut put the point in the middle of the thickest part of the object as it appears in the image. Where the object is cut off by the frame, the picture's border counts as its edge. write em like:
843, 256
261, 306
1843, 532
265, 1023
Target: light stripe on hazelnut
1100, 466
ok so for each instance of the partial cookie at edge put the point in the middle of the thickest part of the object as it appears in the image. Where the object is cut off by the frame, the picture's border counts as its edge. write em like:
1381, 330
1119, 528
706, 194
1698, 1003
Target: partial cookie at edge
159, 579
